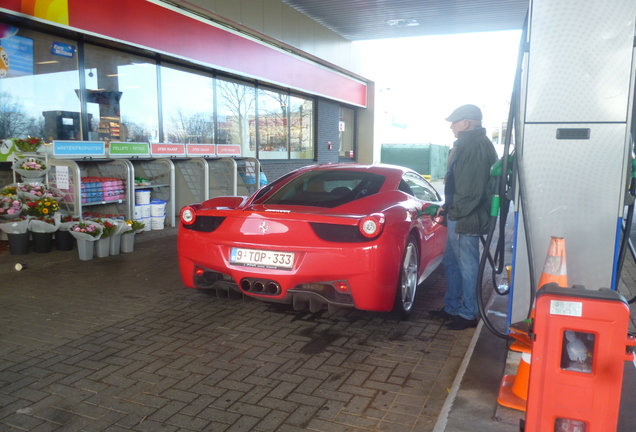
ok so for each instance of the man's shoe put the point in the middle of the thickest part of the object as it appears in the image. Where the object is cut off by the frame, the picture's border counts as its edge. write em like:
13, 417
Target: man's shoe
461, 323
441, 314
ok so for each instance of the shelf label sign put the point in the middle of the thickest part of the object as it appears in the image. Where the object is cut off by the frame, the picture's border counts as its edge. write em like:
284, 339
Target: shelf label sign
167, 149
228, 150
201, 149
79, 149
129, 149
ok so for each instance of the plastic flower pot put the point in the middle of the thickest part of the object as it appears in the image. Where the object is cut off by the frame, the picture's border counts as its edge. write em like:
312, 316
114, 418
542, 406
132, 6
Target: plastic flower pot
127, 242
102, 247
115, 244
42, 242
19, 243
64, 240
85, 249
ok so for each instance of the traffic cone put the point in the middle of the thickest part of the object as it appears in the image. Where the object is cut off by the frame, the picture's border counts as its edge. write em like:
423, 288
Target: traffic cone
555, 269
513, 391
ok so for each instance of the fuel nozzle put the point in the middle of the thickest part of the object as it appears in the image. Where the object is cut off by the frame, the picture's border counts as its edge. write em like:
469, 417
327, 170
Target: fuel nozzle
431, 210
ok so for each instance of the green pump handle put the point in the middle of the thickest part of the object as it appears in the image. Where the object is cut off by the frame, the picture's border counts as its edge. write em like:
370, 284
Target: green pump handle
495, 172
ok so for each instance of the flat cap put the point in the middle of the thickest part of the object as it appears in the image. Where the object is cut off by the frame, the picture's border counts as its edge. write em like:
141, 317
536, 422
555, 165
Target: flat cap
470, 112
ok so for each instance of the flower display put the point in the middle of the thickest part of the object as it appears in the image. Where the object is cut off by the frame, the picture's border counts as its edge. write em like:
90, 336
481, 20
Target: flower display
46, 219
134, 226
46, 206
10, 206
43, 224
108, 227
9, 190
91, 229
33, 165
29, 144
17, 225
69, 218
36, 190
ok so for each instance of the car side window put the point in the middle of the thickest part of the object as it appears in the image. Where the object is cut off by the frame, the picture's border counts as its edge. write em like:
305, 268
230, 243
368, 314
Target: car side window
419, 187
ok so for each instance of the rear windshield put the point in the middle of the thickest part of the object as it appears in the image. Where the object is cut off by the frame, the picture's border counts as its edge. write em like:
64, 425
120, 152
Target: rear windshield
327, 188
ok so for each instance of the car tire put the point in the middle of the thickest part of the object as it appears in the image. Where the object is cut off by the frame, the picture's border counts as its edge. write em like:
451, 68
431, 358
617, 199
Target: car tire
407, 283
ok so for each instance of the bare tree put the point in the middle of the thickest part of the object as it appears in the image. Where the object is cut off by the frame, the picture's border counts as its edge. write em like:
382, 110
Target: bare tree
190, 128
14, 120
239, 100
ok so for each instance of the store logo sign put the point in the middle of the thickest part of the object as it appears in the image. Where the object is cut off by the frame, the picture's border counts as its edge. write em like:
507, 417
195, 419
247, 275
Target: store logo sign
62, 49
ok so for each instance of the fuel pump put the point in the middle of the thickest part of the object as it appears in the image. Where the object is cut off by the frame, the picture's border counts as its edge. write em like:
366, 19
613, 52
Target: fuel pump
572, 110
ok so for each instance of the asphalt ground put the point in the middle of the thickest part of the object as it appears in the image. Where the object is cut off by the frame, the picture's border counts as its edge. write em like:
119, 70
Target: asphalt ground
119, 344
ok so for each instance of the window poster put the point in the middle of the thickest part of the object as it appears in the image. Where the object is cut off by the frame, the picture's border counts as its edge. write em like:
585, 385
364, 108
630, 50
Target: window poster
18, 55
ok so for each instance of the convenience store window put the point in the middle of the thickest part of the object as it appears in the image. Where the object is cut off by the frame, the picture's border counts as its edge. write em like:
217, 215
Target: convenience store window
121, 95
301, 118
187, 106
39, 90
273, 125
236, 111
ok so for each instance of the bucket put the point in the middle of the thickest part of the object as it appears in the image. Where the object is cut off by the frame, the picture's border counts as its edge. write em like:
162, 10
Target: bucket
157, 208
146, 221
142, 211
142, 197
157, 222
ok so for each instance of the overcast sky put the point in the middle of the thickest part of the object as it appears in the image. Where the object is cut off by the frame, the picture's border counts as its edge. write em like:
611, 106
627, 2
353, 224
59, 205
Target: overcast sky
430, 76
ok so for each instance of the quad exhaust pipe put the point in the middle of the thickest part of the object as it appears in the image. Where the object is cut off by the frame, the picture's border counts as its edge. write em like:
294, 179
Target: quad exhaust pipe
261, 286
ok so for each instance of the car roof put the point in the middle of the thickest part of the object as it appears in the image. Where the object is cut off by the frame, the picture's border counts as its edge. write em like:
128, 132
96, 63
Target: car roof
378, 168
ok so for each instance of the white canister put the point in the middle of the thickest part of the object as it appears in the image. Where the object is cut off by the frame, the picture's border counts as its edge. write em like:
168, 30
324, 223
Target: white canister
157, 208
137, 214
142, 197
144, 210
146, 221
157, 222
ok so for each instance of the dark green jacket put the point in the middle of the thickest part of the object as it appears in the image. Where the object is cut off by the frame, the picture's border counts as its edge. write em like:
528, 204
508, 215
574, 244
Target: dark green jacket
470, 205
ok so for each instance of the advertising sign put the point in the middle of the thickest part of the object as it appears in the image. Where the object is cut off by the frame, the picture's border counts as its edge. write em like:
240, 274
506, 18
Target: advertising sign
167, 150
129, 149
79, 149
228, 150
201, 150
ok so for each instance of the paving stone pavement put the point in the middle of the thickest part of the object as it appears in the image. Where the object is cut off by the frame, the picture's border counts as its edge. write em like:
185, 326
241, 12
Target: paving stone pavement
118, 344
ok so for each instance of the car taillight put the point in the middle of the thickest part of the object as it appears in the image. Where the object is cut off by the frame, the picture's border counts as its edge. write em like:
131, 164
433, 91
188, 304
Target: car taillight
372, 226
188, 215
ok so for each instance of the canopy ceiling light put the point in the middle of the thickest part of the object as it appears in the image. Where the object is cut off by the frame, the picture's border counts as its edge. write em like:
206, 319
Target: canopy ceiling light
402, 23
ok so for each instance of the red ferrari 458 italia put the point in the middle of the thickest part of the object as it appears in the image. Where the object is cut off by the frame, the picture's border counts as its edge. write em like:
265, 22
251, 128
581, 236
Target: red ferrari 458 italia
325, 235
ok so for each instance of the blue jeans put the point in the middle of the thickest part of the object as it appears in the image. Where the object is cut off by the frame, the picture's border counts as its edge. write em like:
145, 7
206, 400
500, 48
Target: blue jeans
461, 266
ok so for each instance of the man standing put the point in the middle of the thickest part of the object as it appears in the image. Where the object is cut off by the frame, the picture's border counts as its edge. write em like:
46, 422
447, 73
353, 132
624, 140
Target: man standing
467, 207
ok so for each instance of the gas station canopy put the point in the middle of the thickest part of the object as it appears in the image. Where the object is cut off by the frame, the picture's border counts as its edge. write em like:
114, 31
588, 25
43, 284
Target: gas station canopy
358, 20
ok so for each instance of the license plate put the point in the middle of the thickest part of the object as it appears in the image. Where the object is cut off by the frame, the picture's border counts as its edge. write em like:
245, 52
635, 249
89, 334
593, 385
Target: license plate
262, 258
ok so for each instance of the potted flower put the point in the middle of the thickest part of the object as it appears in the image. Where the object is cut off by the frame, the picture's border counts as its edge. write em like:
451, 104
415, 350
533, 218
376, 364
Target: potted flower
128, 237
9, 190
10, 207
42, 228
28, 144
32, 169
86, 233
45, 206
103, 244
64, 240
17, 233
